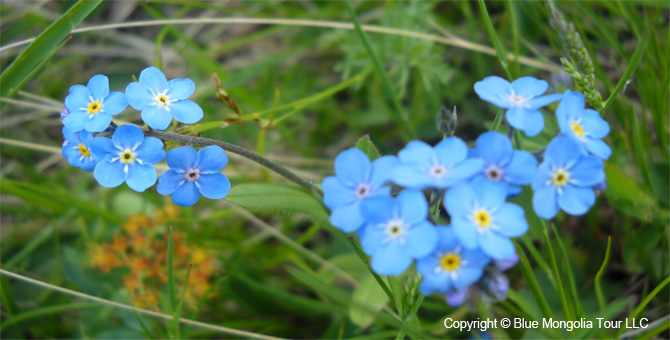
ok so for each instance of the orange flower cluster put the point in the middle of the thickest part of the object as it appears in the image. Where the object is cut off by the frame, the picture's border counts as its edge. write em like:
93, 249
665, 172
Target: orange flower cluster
141, 245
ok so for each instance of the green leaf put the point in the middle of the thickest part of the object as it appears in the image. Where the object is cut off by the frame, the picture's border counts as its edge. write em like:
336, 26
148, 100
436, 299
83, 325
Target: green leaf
365, 144
367, 300
278, 198
623, 192
20, 68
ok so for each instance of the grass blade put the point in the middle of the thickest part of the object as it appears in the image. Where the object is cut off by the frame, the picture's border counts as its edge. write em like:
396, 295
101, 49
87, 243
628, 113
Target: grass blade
643, 304
171, 283
557, 275
17, 72
527, 272
500, 52
632, 65
599, 275
571, 277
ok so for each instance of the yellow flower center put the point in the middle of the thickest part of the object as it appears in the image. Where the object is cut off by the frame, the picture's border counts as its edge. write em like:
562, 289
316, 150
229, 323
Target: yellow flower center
83, 150
127, 156
482, 218
450, 262
162, 100
94, 107
577, 129
560, 177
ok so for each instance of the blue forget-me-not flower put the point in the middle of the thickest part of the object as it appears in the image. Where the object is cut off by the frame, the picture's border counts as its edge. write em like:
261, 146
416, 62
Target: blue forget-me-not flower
522, 98
482, 219
161, 100
397, 231
450, 267
78, 151
91, 107
129, 157
583, 125
565, 179
356, 180
422, 166
193, 174
504, 165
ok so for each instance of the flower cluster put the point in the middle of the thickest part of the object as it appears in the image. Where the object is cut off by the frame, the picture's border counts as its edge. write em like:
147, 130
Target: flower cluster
465, 258
139, 245
128, 156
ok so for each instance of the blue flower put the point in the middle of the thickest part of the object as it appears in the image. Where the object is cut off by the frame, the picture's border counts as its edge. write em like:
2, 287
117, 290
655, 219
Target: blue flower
456, 298
397, 231
503, 164
91, 107
78, 151
128, 158
356, 180
422, 166
521, 98
161, 100
450, 266
194, 173
565, 179
482, 219
584, 126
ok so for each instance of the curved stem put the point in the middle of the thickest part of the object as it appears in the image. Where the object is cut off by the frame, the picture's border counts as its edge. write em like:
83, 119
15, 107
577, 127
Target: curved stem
237, 150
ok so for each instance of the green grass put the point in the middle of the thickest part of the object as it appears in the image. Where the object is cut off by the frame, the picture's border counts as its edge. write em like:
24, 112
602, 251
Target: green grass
332, 76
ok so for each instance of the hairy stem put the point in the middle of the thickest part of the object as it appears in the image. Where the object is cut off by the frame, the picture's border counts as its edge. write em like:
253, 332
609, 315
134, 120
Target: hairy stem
189, 140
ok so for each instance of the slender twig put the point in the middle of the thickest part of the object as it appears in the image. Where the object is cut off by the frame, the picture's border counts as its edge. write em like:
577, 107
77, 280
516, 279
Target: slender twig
199, 141
221, 329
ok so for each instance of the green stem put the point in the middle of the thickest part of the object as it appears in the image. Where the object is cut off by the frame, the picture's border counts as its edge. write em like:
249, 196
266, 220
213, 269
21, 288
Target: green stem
502, 56
190, 140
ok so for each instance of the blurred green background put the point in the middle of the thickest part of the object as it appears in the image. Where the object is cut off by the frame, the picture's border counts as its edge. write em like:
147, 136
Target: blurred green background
308, 89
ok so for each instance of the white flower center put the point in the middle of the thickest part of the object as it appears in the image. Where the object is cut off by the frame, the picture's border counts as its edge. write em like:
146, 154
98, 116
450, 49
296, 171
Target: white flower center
493, 173
162, 100
517, 100
396, 230
362, 190
192, 175
438, 171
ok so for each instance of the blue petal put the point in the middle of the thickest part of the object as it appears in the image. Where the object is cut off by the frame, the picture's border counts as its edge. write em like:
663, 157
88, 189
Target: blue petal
183, 158
335, 194
347, 218
72, 154
154, 79
372, 238
109, 174
593, 125
571, 106
141, 176
495, 148
412, 205
410, 176
87, 164
447, 240
510, 220
128, 136
575, 200
434, 283
138, 95
475, 258
156, 117
465, 231
542, 175
460, 200
115, 103
151, 151
544, 203
180, 88
521, 168
214, 186
465, 170
352, 166
212, 159
77, 99
99, 86
390, 260
529, 121
456, 298
98, 123
186, 111
490, 195
451, 151
102, 146
378, 209
467, 276
169, 182
382, 170
496, 246
588, 171
187, 195
70, 135
494, 90
76, 121
561, 151
417, 153
539, 102
598, 148
421, 240
529, 87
